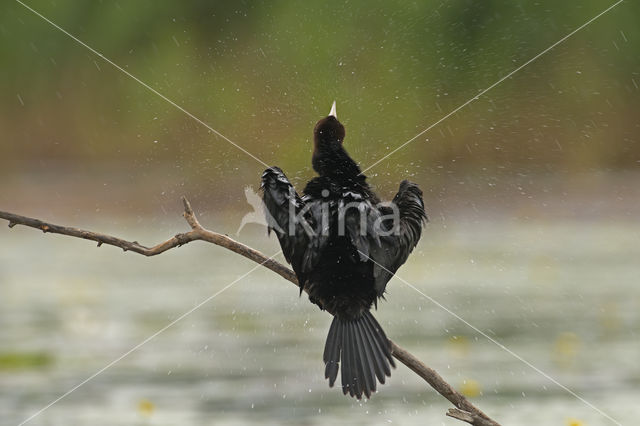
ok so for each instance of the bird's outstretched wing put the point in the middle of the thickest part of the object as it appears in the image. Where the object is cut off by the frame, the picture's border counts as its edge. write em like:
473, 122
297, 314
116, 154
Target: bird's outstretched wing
292, 220
401, 236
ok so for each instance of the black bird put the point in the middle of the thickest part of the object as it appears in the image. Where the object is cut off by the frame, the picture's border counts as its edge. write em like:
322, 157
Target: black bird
344, 247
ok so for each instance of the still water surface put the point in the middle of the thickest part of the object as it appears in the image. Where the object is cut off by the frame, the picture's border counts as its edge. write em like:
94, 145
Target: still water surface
564, 296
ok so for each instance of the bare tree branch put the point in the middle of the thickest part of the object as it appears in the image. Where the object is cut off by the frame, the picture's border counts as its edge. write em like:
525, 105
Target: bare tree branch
469, 417
465, 411
197, 233
475, 416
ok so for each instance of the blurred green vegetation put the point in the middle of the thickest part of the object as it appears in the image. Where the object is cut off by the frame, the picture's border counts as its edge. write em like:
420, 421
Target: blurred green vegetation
262, 73
26, 360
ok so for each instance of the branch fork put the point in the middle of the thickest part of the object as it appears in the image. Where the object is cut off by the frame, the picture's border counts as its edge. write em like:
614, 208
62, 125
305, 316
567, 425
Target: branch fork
464, 411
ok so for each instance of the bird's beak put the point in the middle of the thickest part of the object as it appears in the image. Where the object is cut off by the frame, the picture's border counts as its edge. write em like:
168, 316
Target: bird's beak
332, 113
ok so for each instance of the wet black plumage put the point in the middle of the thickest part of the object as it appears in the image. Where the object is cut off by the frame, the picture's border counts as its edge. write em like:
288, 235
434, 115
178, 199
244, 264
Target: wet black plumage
344, 247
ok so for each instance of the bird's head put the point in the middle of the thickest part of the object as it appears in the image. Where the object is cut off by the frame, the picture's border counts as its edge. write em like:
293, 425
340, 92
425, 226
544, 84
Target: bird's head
329, 130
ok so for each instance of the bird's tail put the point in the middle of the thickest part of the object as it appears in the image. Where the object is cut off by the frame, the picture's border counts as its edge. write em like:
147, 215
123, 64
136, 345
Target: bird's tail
361, 350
